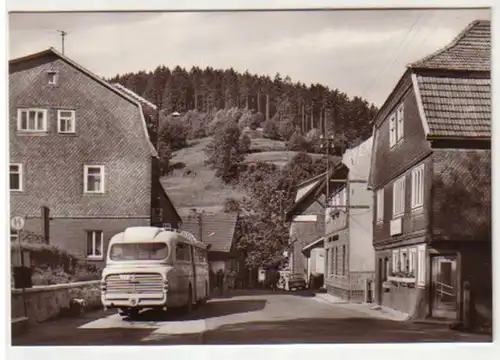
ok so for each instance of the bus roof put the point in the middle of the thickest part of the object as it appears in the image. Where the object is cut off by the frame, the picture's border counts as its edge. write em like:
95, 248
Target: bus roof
140, 234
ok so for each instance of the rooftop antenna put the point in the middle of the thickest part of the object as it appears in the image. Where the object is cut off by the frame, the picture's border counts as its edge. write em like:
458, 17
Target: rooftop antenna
63, 34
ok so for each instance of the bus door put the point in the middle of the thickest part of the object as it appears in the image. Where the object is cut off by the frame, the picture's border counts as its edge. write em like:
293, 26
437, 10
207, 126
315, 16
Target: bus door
195, 275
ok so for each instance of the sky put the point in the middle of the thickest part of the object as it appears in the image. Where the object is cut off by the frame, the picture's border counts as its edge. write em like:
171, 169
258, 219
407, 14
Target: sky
360, 52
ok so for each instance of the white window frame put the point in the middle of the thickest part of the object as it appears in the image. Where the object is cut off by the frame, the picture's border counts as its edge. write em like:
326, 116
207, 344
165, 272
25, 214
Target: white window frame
380, 205
21, 177
417, 186
392, 130
421, 265
71, 119
53, 77
27, 111
400, 118
94, 238
86, 178
413, 261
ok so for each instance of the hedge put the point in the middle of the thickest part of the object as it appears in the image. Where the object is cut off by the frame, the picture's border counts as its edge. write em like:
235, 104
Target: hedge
53, 265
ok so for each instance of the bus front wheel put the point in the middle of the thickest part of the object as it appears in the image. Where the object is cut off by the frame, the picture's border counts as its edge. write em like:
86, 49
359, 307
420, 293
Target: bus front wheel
189, 304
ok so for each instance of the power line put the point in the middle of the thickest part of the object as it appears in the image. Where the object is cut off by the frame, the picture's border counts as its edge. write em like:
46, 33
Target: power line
394, 56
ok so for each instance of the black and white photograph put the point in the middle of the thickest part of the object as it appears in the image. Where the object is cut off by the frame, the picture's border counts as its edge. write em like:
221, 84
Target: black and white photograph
249, 177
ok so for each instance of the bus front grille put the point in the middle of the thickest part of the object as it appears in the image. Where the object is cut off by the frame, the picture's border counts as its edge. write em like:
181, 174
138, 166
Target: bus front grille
134, 283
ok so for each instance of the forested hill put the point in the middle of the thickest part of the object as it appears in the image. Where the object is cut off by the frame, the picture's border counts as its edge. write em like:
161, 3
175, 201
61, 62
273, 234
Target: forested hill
301, 107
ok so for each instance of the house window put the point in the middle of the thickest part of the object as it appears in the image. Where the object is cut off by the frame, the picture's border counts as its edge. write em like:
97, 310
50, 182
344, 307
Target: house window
94, 179
52, 77
398, 197
94, 244
417, 187
380, 204
392, 130
396, 126
344, 260
34, 120
400, 123
421, 258
16, 177
412, 261
404, 261
334, 260
66, 121
395, 261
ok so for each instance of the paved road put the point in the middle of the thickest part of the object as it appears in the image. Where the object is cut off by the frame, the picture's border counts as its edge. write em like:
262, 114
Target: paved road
250, 318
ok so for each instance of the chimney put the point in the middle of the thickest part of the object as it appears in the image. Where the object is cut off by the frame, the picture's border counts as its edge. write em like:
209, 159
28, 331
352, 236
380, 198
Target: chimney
192, 213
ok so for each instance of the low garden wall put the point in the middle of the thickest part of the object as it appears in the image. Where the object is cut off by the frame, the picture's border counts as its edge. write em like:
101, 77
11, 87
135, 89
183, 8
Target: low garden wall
49, 301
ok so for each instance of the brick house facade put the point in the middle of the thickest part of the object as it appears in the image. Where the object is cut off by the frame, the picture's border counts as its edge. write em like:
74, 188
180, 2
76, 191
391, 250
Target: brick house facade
81, 148
431, 177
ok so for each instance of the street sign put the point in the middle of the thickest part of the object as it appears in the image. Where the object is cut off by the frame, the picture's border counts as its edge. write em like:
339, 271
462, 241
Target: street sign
305, 218
17, 223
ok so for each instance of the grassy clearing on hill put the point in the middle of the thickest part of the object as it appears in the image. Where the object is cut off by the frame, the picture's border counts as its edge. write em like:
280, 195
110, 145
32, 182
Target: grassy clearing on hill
196, 186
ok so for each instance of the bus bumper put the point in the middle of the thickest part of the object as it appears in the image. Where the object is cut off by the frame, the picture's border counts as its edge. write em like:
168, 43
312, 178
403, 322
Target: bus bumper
133, 301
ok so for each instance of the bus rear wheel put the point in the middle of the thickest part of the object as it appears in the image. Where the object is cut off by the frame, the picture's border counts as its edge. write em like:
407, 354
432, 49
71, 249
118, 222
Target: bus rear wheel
203, 300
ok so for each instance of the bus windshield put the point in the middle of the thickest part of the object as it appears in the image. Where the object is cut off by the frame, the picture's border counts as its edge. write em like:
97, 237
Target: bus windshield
139, 251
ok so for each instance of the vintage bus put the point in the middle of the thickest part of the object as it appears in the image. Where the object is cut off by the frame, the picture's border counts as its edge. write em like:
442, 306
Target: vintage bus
155, 268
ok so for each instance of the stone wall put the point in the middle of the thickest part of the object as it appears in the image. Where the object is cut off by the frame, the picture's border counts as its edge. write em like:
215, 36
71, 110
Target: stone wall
47, 302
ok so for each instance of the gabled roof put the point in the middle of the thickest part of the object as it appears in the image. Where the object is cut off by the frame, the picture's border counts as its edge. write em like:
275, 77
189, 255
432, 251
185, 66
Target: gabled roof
310, 180
454, 107
54, 52
469, 51
135, 95
314, 192
217, 229
170, 201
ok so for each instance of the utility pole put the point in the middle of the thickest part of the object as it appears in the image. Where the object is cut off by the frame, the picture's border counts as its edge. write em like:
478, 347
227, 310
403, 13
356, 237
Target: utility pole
281, 194
327, 142
63, 34
200, 229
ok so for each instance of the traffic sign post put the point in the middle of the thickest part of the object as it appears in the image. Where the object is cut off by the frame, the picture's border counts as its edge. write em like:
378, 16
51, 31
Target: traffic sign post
17, 223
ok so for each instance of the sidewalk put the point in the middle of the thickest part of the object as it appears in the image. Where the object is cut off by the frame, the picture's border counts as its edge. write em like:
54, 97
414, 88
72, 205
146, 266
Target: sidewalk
374, 310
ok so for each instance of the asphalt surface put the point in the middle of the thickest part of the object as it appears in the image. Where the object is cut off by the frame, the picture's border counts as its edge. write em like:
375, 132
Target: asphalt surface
245, 318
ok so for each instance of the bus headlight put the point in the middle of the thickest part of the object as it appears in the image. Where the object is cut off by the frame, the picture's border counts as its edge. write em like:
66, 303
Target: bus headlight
103, 286
165, 285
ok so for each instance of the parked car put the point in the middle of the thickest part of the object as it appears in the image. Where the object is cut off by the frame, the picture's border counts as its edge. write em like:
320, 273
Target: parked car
297, 282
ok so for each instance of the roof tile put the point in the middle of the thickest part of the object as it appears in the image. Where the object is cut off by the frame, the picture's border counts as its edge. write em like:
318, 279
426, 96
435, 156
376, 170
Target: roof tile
217, 229
469, 51
457, 107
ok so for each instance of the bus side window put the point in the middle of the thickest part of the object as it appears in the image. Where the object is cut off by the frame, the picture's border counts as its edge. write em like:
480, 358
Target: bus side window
182, 252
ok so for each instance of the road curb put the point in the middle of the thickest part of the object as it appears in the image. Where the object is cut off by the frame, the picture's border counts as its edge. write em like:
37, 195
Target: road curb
374, 310
19, 326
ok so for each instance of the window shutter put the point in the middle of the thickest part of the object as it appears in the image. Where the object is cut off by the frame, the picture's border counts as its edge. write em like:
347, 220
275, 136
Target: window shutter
395, 256
421, 260
402, 194
400, 122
